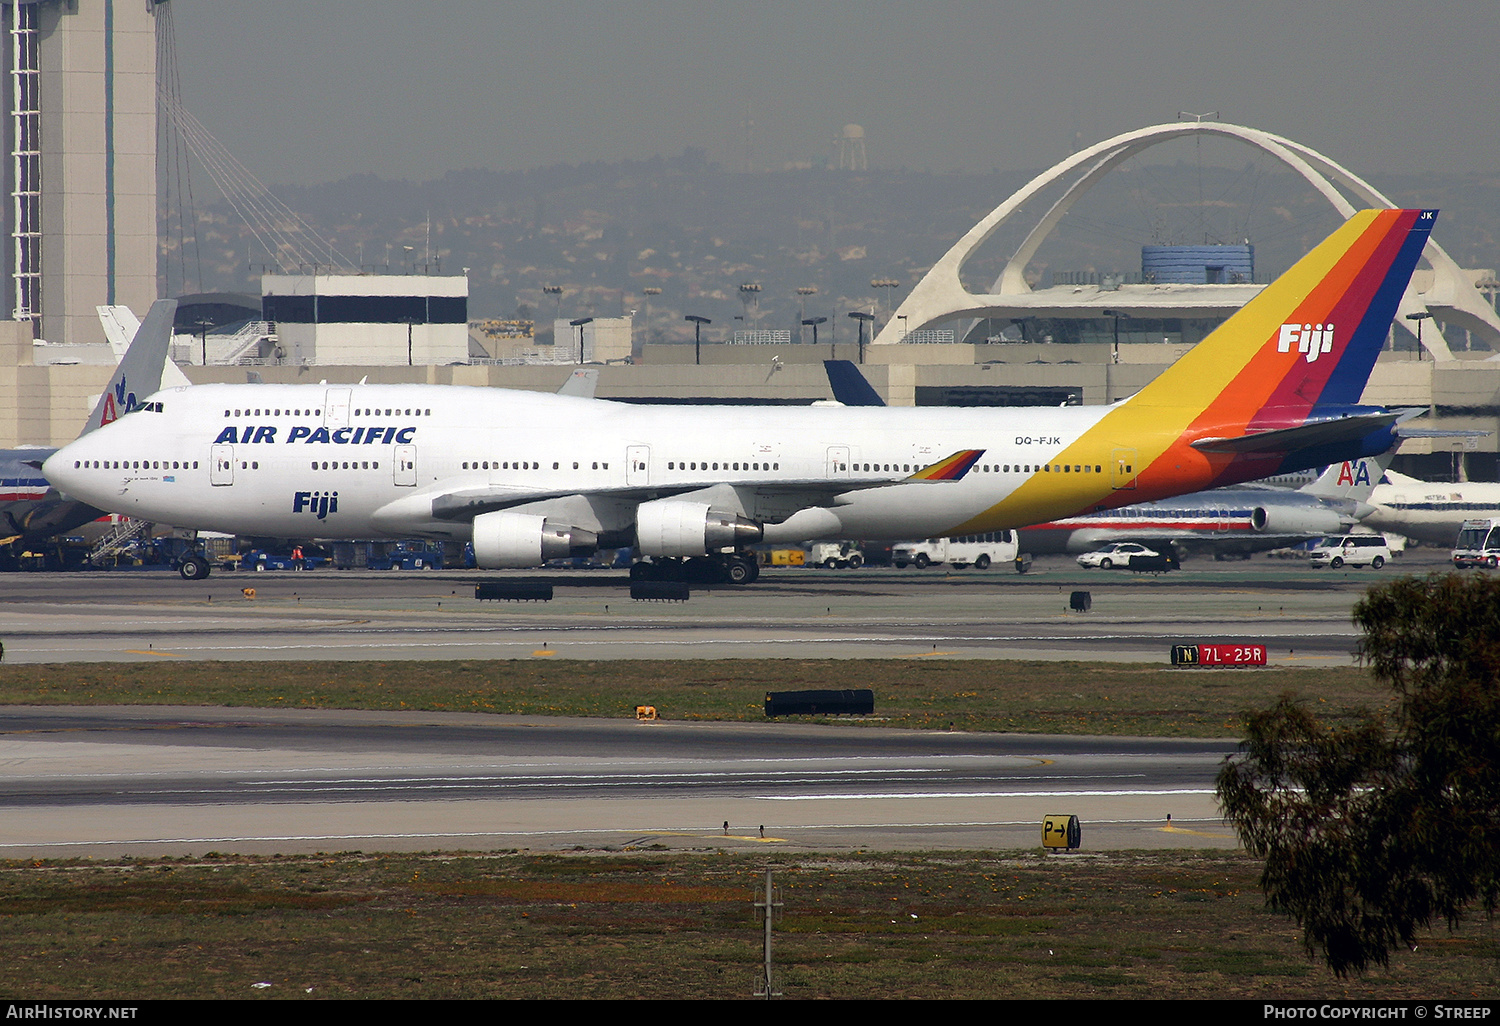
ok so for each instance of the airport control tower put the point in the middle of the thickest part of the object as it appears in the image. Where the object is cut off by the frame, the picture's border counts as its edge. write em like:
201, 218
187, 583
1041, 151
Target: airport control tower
80, 86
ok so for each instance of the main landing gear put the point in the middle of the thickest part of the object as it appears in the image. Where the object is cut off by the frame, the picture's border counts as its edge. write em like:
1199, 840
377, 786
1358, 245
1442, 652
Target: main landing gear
738, 568
194, 567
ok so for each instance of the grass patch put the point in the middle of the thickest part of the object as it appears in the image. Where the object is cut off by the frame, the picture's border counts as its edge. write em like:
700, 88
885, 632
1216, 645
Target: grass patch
996, 695
680, 925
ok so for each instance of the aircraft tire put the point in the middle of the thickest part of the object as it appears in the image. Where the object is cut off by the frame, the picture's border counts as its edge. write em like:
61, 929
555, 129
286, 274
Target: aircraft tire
739, 571
194, 568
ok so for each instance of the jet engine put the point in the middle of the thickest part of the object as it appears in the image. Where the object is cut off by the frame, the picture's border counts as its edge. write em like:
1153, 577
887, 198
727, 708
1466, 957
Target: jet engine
1303, 520
505, 539
674, 527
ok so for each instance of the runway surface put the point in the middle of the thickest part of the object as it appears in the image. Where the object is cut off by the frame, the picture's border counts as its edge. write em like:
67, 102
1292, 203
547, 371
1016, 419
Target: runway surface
179, 781
1301, 614
110, 782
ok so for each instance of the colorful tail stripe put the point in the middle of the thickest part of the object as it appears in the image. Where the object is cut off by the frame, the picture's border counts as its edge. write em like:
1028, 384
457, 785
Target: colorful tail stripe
950, 469
1294, 354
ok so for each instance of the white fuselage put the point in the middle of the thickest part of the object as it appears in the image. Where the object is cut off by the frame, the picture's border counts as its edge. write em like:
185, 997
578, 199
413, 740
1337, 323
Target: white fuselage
371, 461
1430, 511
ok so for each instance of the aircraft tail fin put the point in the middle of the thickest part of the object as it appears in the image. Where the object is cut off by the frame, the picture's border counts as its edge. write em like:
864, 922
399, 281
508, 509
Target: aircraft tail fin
581, 383
1351, 480
1306, 344
850, 386
120, 325
140, 371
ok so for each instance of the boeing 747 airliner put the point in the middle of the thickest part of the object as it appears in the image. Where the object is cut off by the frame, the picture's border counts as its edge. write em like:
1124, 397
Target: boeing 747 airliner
529, 477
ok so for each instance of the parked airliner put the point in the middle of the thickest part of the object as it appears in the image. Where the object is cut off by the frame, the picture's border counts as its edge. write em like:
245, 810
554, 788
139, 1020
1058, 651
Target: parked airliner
1225, 521
528, 477
31, 510
1430, 511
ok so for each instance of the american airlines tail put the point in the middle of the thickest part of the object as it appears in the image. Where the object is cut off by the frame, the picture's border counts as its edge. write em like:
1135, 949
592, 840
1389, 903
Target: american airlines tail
140, 371
1350, 481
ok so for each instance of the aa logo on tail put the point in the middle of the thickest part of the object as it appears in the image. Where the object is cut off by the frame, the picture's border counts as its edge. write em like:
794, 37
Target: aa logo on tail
1357, 473
1309, 339
117, 403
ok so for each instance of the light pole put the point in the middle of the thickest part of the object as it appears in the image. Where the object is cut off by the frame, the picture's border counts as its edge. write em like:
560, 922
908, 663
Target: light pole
648, 292
409, 322
883, 283
815, 321
749, 297
862, 318
1115, 352
698, 323
1419, 318
579, 325
803, 291
555, 291
203, 325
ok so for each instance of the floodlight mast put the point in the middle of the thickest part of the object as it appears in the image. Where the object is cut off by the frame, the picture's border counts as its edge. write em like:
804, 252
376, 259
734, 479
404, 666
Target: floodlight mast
698, 323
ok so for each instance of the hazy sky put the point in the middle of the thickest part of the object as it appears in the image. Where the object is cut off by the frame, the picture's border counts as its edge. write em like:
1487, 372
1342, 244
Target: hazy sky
315, 90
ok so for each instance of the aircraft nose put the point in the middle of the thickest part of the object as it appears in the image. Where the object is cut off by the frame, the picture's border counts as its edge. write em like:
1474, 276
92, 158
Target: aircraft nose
61, 470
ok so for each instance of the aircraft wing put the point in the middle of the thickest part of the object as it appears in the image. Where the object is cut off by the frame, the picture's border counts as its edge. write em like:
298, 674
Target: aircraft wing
467, 503
1323, 432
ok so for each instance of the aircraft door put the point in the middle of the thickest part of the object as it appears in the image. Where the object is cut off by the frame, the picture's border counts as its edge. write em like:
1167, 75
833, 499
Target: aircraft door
336, 407
1123, 469
221, 464
838, 461
637, 466
406, 465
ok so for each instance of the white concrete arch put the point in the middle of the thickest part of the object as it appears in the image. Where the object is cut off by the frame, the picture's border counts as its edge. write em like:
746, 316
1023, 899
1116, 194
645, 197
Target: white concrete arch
940, 295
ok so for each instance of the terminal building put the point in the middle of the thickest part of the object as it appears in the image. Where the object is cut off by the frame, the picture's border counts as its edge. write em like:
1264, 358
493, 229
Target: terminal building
338, 320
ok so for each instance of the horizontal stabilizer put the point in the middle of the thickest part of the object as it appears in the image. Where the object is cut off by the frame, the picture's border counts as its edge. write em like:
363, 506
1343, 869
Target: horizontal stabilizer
1323, 432
1406, 432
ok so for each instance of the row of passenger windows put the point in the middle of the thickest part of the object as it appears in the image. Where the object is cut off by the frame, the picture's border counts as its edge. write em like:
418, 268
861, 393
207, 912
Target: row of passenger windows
1044, 468
268, 412
690, 465
134, 465
523, 465
364, 412
346, 465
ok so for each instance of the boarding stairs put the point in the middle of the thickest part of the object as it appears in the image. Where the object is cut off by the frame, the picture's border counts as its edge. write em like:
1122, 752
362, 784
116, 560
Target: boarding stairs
117, 539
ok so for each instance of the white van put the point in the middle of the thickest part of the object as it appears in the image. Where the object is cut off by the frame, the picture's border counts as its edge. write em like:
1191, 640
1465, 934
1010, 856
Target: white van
1368, 550
1478, 544
980, 550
